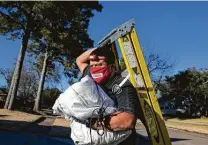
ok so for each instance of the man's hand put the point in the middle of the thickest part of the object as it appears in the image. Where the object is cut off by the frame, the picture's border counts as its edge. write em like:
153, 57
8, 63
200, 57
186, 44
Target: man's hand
118, 121
122, 121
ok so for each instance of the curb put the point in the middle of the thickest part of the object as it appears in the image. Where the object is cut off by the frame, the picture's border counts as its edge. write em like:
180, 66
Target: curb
186, 130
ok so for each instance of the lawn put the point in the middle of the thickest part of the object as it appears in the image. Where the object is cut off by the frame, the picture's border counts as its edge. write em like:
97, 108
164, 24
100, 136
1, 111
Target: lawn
199, 125
15, 120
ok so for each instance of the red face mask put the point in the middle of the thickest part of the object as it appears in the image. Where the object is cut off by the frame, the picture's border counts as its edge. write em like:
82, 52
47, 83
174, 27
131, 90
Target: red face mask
100, 73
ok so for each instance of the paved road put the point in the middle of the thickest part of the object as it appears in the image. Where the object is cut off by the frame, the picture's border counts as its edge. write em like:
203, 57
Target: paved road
179, 137
187, 138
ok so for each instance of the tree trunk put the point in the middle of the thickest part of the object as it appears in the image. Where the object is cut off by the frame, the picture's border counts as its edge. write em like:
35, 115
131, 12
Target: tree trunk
18, 68
9, 93
41, 84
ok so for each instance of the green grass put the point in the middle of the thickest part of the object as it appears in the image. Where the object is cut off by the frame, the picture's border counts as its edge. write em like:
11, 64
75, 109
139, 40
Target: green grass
197, 121
199, 125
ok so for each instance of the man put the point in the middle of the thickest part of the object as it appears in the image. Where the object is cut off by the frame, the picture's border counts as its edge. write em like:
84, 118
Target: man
99, 64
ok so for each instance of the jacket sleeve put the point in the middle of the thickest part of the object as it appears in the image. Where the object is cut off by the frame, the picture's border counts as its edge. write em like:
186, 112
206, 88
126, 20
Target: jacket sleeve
127, 99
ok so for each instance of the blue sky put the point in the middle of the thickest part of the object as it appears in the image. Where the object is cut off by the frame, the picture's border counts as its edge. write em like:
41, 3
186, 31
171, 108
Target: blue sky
176, 30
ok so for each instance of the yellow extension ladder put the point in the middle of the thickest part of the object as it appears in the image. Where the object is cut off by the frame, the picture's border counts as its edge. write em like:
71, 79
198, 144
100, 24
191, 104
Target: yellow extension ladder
134, 60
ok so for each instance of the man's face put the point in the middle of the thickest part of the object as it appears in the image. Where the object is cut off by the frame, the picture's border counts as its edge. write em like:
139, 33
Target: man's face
100, 61
99, 69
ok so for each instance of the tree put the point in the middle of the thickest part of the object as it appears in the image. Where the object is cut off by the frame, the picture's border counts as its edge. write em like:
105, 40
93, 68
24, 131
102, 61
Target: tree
27, 20
62, 43
16, 22
191, 84
41, 83
7, 74
28, 83
28, 86
49, 97
156, 65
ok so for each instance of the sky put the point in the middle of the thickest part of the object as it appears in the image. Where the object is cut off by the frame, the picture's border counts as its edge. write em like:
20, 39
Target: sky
178, 31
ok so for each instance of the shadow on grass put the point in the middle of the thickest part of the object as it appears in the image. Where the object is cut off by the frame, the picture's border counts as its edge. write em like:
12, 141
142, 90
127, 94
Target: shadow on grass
185, 117
180, 118
28, 110
21, 133
3, 116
